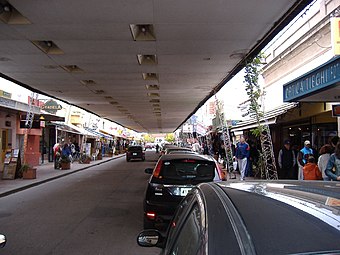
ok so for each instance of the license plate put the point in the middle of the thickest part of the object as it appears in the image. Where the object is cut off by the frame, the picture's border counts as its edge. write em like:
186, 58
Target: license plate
134, 154
184, 191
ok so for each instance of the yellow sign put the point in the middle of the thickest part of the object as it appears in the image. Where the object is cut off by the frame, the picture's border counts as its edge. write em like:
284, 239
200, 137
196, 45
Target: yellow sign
335, 31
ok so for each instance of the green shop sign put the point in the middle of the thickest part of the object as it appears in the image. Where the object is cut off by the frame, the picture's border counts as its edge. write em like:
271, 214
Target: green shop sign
316, 80
51, 106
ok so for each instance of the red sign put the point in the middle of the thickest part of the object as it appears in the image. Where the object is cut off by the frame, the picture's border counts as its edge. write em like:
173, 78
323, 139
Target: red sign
336, 110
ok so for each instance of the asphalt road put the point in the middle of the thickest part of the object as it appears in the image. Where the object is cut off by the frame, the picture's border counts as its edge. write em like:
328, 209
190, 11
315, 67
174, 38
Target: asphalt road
95, 211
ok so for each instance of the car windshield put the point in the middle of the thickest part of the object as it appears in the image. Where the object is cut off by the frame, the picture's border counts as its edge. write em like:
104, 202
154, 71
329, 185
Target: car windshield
188, 169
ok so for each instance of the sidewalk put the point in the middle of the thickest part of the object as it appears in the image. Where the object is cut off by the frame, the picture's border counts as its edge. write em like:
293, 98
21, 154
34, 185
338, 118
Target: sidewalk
45, 173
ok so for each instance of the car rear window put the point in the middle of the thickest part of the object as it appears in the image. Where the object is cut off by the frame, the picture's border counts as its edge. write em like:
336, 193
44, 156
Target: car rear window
188, 169
135, 148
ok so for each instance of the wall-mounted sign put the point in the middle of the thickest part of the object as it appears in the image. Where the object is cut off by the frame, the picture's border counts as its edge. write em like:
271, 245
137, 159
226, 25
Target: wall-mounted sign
51, 106
318, 79
5, 94
335, 34
336, 110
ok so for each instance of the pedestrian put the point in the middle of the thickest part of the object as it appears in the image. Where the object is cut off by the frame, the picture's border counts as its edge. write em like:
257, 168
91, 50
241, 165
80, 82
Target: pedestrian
334, 141
57, 155
66, 151
242, 155
303, 156
157, 148
333, 166
325, 154
253, 159
311, 171
286, 161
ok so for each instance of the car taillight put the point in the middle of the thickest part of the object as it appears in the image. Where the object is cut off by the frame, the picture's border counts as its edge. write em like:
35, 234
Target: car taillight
151, 215
158, 169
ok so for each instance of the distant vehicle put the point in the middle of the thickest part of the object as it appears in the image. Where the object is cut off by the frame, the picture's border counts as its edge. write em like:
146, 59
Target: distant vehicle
178, 149
135, 152
253, 218
149, 146
172, 178
182, 152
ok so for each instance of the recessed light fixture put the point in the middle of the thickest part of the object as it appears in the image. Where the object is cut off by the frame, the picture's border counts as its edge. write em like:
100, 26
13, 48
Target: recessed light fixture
150, 76
11, 16
99, 92
153, 94
152, 87
48, 47
72, 68
88, 82
147, 59
154, 101
142, 32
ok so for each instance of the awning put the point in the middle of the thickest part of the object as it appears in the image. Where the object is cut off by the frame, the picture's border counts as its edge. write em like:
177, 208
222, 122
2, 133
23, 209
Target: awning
269, 118
72, 129
100, 134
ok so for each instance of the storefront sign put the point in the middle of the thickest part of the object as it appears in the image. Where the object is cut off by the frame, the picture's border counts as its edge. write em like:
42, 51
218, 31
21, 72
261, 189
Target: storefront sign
320, 78
5, 94
51, 106
336, 110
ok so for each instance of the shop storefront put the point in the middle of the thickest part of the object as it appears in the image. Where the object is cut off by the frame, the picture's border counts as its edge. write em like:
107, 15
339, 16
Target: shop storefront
316, 91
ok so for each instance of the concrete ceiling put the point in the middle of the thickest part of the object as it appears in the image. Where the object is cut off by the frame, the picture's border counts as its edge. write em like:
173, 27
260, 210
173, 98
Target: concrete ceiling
198, 45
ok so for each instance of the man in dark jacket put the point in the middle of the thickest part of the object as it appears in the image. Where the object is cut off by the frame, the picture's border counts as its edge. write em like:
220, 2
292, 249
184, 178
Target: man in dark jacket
286, 161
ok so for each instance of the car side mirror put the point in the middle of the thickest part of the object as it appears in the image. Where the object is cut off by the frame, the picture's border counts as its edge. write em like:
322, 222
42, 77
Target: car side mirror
150, 238
2, 241
148, 171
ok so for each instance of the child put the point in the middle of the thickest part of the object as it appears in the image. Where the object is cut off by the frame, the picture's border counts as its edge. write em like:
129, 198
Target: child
311, 171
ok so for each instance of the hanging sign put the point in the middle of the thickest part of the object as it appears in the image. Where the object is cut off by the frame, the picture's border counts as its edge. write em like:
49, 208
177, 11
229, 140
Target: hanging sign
51, 106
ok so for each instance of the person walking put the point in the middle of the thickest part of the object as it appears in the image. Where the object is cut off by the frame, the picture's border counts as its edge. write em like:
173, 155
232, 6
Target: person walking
333, 166
242, 155
303, 156
311, 171
325, 154
286, 161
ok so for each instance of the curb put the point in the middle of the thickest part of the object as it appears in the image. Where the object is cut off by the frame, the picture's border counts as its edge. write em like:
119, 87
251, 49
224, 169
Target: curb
15, 190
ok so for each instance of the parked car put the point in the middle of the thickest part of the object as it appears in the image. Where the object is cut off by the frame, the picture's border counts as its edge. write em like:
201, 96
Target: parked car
253, 218
176, 149
135, 152
172, 178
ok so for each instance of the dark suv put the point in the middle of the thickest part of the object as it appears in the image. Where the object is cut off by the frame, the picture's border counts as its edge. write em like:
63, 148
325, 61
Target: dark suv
135, 152
173, 177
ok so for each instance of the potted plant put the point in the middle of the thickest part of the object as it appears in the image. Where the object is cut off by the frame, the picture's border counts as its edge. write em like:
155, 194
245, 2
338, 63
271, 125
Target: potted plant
28, 172
65, 162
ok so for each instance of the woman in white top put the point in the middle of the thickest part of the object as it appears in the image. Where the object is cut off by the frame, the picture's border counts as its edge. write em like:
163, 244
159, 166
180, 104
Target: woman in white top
325, 154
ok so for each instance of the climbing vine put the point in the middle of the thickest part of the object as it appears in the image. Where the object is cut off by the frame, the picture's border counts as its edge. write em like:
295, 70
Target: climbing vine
254, 92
